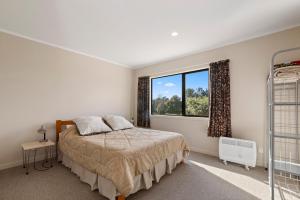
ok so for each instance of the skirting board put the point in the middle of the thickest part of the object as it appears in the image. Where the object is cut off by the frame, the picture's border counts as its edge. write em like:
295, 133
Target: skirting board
203, 151
41, 157
20, 162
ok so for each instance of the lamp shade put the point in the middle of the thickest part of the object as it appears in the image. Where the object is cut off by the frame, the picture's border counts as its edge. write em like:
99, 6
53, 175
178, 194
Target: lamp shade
42, 129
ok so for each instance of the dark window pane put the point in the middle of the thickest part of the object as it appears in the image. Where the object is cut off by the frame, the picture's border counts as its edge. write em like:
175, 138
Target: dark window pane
196, 93
167, 95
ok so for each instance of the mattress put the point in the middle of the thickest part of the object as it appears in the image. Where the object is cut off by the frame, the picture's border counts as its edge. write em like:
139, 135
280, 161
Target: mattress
120, 156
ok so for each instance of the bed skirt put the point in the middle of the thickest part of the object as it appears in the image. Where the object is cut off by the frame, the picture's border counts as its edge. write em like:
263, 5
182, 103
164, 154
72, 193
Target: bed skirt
142, 181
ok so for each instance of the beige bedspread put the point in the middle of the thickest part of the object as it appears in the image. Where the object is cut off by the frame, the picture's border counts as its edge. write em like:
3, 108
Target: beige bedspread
121, 155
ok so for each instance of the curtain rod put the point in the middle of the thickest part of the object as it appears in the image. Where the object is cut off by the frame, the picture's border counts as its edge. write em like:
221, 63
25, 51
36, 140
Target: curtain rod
182, 68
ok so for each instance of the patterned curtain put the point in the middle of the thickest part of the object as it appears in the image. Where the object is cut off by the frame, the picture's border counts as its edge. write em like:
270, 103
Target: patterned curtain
220, 117
143, 115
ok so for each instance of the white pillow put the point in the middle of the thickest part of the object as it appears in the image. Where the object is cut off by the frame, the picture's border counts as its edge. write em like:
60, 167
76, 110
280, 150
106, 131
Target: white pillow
117, 122
91, 125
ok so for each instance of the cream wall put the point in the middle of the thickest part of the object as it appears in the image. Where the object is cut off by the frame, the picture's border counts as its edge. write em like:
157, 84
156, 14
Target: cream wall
249, 65
39, 84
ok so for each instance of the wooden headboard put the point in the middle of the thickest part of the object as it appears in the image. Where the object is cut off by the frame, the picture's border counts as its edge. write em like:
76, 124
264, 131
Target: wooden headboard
59, 124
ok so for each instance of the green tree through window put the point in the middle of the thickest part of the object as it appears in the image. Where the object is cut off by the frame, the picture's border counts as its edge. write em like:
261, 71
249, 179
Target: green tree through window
167, 97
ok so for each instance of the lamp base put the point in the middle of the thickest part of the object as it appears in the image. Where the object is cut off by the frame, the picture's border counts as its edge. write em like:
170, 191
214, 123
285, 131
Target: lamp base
44, 140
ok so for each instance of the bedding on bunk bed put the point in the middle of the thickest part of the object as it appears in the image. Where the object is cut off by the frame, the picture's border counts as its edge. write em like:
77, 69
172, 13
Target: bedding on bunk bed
121, 155
287, 70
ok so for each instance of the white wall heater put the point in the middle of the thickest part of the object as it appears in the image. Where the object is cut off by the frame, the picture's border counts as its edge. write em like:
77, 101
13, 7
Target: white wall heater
237, 151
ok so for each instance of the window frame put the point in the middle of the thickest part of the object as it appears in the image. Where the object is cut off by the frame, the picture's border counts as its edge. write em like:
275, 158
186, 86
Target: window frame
183, 98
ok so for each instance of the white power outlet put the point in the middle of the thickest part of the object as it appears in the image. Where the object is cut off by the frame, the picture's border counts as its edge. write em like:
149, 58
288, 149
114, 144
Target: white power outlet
260, 150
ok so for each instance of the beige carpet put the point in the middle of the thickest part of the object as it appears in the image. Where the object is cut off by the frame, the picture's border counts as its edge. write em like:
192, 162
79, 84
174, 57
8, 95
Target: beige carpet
203, 177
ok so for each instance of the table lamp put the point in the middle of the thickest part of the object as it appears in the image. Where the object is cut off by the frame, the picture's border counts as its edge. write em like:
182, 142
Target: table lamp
43, 130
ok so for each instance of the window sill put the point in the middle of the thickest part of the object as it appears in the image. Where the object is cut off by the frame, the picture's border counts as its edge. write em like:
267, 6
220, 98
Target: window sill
189, 118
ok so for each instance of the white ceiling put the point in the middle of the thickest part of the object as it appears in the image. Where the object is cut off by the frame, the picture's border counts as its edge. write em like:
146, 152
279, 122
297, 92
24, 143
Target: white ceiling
136, 33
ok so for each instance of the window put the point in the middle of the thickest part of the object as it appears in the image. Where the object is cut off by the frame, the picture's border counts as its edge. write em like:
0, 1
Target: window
167, 95
196, 93
183, 94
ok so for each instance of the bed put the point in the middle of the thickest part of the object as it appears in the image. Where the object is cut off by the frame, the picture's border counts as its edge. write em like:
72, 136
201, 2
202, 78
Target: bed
120, 163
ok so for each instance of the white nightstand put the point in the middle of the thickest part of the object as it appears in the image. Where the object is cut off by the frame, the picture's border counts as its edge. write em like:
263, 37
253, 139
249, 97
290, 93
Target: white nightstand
27, 148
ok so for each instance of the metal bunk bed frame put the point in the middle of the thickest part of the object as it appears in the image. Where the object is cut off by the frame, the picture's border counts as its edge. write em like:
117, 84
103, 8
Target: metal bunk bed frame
272, 104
